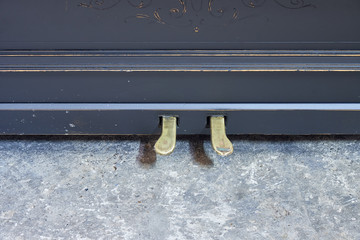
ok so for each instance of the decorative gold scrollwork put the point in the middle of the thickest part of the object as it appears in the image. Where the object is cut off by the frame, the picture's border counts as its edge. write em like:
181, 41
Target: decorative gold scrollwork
294, 4
140, 4
99, 4
192, 12
253, 3
178, 11
217, 12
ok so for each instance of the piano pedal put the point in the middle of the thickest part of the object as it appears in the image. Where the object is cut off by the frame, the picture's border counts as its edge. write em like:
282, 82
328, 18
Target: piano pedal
219, 141
165, 145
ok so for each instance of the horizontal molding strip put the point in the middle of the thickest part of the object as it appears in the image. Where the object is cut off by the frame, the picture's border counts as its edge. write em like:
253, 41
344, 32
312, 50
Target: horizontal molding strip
177, 53
130, 61
179, 107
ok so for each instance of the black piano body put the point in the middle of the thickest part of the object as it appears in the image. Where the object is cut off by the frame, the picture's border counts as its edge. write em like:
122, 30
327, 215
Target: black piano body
117, 66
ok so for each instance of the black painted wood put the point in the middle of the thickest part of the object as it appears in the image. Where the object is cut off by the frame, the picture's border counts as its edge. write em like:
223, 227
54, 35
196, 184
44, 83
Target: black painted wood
184, 24
40, 119
175, 60
93, 67
180, 76
178, 87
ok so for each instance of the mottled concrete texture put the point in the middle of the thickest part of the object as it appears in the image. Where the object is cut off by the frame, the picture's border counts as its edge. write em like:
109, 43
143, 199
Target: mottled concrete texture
117, 188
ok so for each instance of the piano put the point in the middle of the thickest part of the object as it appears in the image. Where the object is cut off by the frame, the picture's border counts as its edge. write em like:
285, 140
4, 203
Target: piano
218, 67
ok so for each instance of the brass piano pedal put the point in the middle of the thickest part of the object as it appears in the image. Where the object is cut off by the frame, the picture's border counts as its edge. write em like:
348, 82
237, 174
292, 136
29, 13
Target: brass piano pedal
219, 141
166, 143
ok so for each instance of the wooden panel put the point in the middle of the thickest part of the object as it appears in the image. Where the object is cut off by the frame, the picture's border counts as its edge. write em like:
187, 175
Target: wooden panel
180, 24
180, 87
42, 119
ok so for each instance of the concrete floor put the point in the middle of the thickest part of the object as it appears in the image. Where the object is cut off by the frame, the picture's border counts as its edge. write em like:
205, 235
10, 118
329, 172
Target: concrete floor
117, 188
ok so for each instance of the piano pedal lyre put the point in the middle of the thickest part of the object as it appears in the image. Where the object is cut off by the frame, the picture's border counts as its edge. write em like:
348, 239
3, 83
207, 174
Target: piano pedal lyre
165, 145
219, 141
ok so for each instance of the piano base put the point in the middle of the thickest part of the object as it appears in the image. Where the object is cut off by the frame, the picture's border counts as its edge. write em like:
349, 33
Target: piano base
92, 118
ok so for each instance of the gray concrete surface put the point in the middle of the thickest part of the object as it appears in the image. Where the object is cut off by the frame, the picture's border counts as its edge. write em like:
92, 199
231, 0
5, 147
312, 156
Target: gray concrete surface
117, 188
